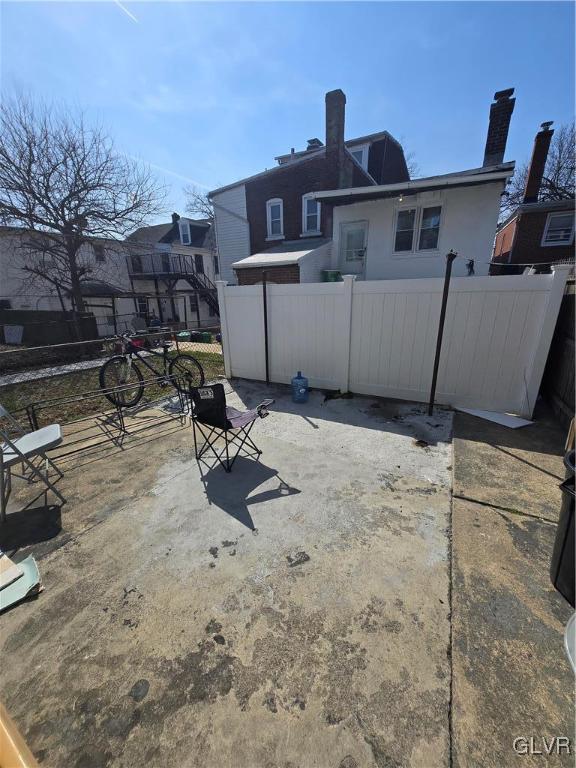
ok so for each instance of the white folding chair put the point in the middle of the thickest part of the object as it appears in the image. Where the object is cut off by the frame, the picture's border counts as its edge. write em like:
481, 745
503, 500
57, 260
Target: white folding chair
23, 450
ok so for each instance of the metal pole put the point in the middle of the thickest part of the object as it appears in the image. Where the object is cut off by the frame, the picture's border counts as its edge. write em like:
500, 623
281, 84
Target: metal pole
449, 259
265, 307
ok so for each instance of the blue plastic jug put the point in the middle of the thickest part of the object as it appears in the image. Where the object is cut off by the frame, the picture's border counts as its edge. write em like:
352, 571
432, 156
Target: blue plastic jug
299, 388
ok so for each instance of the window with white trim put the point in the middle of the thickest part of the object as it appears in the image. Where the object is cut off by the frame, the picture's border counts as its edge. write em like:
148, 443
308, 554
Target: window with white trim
360, 153
275, 218
429, 228
417, 229
310, 215
404, 230
559, 229
184, 232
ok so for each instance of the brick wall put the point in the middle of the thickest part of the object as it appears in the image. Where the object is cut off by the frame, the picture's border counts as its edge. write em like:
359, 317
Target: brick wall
527, 248
289, 185
284, 274
504, 241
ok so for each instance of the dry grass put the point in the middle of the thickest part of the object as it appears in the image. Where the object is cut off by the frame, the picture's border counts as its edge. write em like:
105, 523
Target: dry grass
16, 397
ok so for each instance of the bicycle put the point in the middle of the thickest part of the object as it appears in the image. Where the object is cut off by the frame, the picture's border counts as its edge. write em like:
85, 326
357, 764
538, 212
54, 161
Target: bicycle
122, 380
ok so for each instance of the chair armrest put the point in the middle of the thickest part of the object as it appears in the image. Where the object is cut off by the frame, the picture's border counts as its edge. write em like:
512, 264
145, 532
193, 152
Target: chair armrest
263, 408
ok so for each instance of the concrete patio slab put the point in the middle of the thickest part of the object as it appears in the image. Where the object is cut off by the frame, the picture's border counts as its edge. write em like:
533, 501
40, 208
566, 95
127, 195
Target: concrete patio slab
511, 677
293, 613
516, 469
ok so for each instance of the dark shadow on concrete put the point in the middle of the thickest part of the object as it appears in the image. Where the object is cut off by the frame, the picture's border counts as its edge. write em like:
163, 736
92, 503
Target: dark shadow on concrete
544, 436
232, 491
30, 526
399, 417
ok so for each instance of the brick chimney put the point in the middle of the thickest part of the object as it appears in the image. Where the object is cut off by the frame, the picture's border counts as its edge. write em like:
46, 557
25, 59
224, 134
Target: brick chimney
335, 118
175, 218
500, 115
538, 163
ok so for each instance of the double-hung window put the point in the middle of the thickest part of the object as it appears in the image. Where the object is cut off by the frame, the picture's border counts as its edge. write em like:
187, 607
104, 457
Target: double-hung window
559, 229
310, 215
275, 218
429, 228
185, 232
404, 239
417, 229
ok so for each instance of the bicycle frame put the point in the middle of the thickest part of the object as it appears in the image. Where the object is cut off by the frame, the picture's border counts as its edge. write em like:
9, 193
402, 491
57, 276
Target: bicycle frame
132, 351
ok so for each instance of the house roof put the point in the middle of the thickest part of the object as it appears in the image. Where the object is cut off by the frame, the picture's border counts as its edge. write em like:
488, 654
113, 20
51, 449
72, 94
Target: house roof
276, 169
151, 234
371, 137
301, 157
166, 233
286, 253
542, 206
471, 177
99, 289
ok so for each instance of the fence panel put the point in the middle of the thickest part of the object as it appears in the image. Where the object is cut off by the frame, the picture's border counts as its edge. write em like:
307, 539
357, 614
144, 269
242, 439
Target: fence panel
243, 319
305, 324
379, 337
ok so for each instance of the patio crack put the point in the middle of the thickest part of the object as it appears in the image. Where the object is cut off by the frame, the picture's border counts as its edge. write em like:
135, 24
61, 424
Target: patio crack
509, 510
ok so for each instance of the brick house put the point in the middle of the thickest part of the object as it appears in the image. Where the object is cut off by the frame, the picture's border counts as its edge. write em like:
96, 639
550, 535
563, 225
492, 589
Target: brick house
538, 231
350, 207
275, 212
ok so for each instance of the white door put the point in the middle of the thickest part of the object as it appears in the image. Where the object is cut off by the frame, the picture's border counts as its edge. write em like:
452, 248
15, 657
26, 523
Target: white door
353, 247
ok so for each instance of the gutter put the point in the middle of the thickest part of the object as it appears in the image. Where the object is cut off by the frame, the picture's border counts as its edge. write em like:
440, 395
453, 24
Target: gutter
418, 184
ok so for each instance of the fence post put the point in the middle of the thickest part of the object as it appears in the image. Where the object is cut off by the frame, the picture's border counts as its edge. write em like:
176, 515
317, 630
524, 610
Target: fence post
533, 376
449, 259
221, 288
265, 318
348, 290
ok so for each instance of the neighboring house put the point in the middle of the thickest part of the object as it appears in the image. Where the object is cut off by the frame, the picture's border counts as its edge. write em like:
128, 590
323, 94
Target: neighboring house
276, 211
164, 272
19, 290
386, 227
538, 231
175, 265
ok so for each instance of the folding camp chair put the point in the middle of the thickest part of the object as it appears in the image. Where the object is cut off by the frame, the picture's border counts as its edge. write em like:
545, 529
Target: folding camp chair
22, 450
209, 410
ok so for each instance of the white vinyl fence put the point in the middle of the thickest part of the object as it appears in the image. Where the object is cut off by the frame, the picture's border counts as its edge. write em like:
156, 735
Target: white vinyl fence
379, 337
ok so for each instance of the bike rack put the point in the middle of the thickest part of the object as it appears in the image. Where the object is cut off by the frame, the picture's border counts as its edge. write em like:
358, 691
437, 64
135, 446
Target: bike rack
105, 418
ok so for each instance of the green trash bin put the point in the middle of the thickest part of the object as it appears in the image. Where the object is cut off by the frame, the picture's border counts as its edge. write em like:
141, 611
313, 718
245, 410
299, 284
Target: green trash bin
206, 337
184, 336
331, 275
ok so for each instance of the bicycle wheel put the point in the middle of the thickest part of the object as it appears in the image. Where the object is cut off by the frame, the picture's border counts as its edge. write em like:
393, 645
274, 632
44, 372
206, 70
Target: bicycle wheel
185, 372
120, 372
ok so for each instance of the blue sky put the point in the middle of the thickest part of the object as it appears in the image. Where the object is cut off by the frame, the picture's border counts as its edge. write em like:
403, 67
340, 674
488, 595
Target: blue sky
211, 92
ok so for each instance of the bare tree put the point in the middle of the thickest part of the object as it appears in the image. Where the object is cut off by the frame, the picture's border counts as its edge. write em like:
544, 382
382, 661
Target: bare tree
198, 203
66, 185
412, 165
558, 180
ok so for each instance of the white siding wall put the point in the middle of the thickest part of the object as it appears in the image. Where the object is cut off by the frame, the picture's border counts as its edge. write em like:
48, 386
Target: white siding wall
311, 266
468, 226
379, 337
232, 229
15, 284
